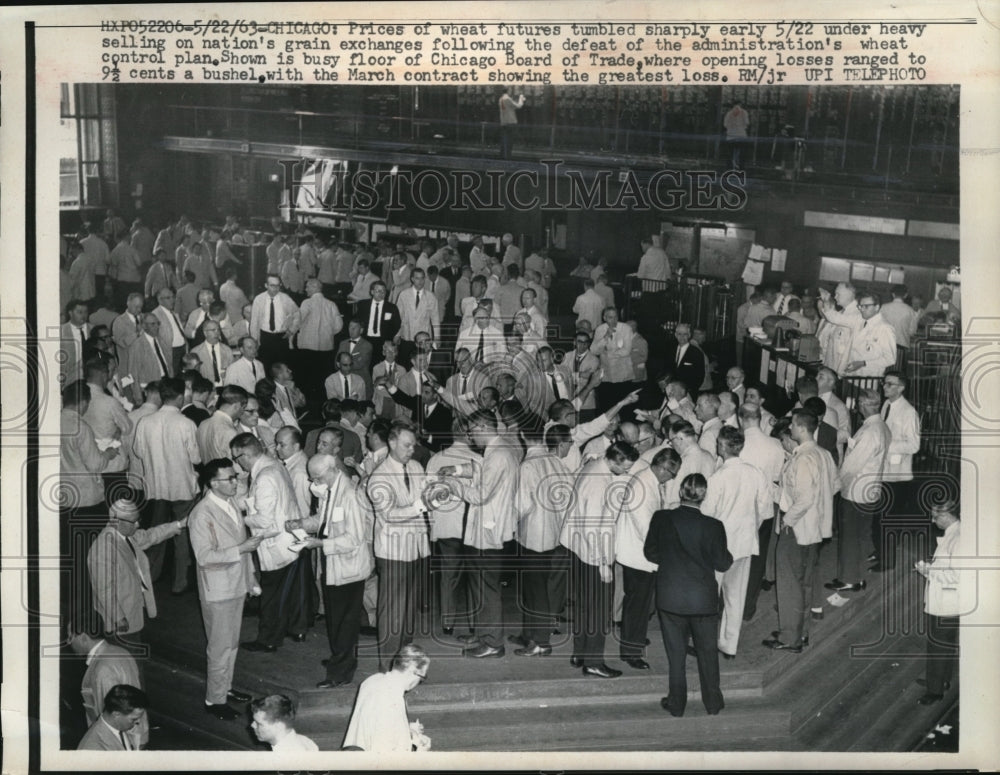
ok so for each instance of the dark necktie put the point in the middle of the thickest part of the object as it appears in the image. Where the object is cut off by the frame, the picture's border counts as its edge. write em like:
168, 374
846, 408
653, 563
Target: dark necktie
347, 393
406, 481
417, 305
160, 358
253, 368
83, 342
124, 740
376, 326
135, 554
885, 414
271, 317
479, 350
555, 386
138, 328
465, 384
215, 365
577, 361
324, 530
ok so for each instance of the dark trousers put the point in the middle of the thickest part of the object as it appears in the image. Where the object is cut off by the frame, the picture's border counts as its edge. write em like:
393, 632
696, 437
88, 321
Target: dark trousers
942, 651
508, 134
452, 576
796, 570
559, 580
535, 574
343, 625
280, 611
400, 592
758, 566
899, 507
591, 611
78, 529
311, 370
161, 512
485, 568
854, 532
639, 586
703, 631
273, 347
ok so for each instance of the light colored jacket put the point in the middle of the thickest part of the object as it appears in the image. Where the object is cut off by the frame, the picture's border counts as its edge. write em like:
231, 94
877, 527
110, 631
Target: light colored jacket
223, 573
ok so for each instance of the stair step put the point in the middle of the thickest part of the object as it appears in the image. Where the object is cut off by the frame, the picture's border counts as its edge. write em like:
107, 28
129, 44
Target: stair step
517, 693
645, 725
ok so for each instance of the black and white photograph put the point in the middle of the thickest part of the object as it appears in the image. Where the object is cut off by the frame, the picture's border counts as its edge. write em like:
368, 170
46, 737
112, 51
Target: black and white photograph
626, 413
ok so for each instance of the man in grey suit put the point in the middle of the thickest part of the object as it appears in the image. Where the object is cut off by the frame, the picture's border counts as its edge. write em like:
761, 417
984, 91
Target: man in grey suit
116, 728
225, 577
146, 358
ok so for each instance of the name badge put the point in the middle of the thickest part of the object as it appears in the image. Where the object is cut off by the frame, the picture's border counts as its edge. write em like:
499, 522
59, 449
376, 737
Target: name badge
386, 316
338, 514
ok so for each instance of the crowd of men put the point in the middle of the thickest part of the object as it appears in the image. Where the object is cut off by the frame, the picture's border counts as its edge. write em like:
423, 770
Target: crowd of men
325, 444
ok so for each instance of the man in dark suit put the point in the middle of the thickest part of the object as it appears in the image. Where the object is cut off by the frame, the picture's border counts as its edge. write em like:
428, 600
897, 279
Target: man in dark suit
378, 318
686, 360
689, 549
826, 434
360, 350
431, 416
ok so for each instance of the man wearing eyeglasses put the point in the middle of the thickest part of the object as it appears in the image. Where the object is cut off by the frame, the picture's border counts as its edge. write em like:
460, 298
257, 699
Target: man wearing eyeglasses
225, 577
873, 348
379, 723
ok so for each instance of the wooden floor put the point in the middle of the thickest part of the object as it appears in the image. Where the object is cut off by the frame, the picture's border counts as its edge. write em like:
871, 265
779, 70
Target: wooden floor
852, 689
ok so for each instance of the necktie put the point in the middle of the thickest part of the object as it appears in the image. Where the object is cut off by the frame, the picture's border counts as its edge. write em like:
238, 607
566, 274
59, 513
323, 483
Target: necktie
271, 317
479, 350
138, 567
124, 740
347, 393
83, 343
406, 481
555, 386
433, 283
215, 366
160, 358
576, 363
781, 306
465, 384
324, 529
680, 353
253, 368
417, 305
138, 328
377, 325
865, 325
885, 414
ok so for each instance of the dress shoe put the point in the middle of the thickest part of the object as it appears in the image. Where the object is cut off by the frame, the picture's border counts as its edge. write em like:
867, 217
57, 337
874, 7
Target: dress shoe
252, 645
300, 638
576, 661
777, 645
518, 640
484, 651
368, 631
842, 586
930, 699
923, 682
448, 630
879, 568
328, 684
766, 585
601, 671
319, 618
724, 655
692, 651
223, 712
236, 696
534, 650
636, 663
469, 638
665, 704
776, 635
817, 615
